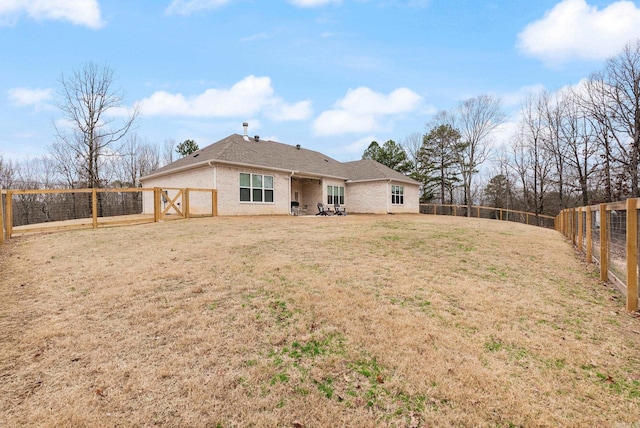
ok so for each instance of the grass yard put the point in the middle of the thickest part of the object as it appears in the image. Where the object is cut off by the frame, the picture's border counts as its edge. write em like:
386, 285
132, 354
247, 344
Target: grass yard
360, 321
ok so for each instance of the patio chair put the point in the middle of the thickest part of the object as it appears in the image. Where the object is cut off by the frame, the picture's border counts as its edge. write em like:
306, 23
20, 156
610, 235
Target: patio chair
322, 210
339, 210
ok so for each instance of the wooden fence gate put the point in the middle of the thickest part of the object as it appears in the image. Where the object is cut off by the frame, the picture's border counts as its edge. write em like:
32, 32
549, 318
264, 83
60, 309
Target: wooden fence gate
170, 204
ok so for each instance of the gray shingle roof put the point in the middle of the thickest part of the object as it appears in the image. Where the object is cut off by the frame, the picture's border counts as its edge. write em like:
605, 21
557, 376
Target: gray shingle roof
234, 149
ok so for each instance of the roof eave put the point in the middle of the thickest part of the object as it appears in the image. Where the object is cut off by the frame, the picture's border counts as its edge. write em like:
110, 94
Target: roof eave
175, 170
370, 180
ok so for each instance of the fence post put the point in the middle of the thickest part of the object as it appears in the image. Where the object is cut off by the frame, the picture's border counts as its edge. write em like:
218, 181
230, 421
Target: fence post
185, 196
214, 202
1, 219
156, 204
500, 214
455, 210
573, 226
94, 207
478, 208
604, 252
632, 255
589, 235
580, 228
9, 219
435, 209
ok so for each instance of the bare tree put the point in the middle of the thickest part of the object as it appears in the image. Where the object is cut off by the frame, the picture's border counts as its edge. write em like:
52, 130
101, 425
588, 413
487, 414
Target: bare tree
521, 165
137, 158
504, 165
7, 173
622, 87
580, 146
551, 112
598, 110
67, 164
476, 119
411, 144
168, 151
533, 127
90, 106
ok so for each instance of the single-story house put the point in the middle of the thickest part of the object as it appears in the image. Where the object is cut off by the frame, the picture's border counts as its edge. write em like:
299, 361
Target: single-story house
261, 177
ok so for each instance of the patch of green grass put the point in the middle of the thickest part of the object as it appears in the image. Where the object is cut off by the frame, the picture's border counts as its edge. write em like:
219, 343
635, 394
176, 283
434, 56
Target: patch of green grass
555, 363
280, 311
493, 345
620, 385
325, 386
412, 403
310, 349
368, 368
279, 378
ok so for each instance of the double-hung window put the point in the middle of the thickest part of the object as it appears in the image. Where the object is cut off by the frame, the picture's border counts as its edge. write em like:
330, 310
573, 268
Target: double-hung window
335, 195
397, 195
256, 188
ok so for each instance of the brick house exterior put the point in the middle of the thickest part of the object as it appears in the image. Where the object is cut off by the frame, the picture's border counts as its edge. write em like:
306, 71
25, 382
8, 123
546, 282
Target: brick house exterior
262, 177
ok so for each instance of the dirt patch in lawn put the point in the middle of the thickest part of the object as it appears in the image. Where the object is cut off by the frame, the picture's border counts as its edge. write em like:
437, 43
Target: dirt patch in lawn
304, 321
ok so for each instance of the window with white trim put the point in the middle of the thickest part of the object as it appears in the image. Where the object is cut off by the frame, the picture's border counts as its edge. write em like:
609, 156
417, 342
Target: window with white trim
335, 195
397, 195
256, 188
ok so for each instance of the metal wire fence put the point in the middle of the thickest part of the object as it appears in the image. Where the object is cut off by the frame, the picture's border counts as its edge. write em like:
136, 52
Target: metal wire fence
489, 213
28, 211
608, 235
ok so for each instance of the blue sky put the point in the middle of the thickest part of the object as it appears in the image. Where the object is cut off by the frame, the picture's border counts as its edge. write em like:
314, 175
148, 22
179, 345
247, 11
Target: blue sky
331, 75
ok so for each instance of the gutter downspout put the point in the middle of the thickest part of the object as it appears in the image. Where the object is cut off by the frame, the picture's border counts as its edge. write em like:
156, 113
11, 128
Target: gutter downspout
290, 175
389, 196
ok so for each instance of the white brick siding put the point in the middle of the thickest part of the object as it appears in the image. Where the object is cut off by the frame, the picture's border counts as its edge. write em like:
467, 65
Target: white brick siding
374, 197
371, 197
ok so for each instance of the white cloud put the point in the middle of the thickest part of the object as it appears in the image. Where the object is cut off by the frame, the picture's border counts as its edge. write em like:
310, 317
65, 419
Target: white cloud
358, 146
187, 7
363, 110
27, 97
250, 96
78, 12
575, 30
284, 112
514, 99
312, 3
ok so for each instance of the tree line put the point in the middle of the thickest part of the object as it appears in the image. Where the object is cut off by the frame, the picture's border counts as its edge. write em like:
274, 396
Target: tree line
576, 146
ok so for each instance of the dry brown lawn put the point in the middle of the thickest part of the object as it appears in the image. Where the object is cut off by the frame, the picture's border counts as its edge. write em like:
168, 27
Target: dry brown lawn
312, 322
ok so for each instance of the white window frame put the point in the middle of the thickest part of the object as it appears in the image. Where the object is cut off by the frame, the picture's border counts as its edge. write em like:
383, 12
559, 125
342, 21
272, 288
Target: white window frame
253, 187
335, 195
397, 194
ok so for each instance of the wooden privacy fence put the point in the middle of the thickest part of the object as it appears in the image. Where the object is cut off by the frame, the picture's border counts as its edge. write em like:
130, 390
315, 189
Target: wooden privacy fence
490, 213
608, 235
40, 210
